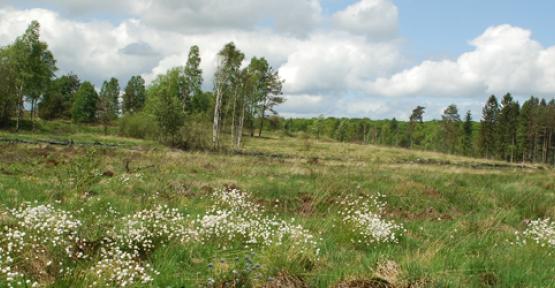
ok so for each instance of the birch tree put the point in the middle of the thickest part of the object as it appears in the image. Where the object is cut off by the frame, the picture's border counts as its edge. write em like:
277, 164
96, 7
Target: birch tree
225, 86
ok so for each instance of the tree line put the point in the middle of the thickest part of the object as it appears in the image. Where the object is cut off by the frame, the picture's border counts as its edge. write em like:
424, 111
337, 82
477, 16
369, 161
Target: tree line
173, 108
506, 131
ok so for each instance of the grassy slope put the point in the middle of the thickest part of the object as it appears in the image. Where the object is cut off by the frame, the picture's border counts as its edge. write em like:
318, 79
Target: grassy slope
460, 213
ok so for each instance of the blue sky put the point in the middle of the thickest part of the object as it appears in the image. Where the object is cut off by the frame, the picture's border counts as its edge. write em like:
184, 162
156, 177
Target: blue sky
440, 28
355, 58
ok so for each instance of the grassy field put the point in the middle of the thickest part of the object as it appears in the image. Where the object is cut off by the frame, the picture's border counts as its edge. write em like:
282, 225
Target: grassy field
142, 215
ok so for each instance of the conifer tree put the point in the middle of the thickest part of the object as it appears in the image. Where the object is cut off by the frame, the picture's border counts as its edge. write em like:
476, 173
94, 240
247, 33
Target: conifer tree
467, 137
108, 100
527, 129
192, 78
85, 104
451, 126
415, 119
134, 95
506, 128
488, 135
57, 101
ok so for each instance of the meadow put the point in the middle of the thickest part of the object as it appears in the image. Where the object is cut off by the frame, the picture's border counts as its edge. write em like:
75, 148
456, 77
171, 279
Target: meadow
282, 212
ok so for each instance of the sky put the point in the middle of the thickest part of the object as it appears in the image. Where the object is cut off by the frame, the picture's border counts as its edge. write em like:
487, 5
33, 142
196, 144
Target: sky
346, 58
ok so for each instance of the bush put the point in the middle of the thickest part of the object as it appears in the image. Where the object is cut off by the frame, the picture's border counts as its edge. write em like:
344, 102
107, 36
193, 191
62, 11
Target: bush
196, 133
139, 125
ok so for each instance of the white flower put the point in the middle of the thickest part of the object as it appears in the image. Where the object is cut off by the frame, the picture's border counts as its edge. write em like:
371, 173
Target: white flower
540, 231
234, 216
364, 215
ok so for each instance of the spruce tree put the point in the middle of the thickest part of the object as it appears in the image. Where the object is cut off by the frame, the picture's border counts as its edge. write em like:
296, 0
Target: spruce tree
467, 138
488, 135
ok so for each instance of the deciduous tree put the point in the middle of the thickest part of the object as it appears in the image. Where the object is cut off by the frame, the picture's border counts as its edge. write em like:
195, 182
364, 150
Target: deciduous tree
226, 87
85, 104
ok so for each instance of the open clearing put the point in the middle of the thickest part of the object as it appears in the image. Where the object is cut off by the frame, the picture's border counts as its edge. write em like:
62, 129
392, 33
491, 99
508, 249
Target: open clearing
275, 215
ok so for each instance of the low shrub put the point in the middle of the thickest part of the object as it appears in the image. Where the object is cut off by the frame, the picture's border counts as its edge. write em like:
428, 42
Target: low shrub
196, 133
139, 125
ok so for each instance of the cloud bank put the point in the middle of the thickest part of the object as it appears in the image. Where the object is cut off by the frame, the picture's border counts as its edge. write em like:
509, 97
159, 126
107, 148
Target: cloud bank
348, 63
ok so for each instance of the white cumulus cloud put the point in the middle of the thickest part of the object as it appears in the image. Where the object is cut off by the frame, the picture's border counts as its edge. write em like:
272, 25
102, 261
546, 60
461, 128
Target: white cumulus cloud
376, 19
505, 58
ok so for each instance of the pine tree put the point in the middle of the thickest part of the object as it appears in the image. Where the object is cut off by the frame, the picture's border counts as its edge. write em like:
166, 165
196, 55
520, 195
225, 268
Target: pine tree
415, 119
57, 102
271, 95
393, 132
543, 132
85, 104
488, 135
527, 129
451, 125
551, 126
134, 95
110, 91
506, 126
107, 106
467, 130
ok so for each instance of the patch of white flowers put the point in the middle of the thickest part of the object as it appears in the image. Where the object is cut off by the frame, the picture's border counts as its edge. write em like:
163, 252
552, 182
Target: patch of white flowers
50, 226
34, 229
118, 268
142, 231
37, 229
364, 215
540, 231
12, 243
236, 217
139, 234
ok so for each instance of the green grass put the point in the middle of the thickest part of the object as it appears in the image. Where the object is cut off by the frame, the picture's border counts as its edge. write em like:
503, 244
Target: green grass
460, 215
